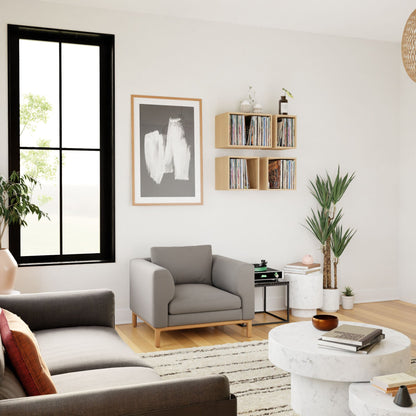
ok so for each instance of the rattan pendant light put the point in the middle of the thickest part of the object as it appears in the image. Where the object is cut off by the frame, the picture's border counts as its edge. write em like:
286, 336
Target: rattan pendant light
409, 46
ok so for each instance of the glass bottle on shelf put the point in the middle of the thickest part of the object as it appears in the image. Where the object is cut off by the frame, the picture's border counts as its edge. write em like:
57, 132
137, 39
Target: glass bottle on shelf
283, 105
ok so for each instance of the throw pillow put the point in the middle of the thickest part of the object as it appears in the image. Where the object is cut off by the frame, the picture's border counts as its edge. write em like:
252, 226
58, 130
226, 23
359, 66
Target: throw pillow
24, 354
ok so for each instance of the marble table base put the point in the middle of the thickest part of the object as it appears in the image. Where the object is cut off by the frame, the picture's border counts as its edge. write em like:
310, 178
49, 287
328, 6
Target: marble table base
313, 397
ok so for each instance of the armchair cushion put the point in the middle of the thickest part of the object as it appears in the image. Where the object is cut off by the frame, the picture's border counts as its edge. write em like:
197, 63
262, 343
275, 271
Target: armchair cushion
191, 264
194, 298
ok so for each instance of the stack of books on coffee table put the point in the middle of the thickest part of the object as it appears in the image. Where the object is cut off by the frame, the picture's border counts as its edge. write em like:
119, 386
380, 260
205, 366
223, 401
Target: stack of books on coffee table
352, 338
390, 383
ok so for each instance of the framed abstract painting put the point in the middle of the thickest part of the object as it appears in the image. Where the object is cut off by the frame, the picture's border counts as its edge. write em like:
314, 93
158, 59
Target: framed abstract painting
167, 150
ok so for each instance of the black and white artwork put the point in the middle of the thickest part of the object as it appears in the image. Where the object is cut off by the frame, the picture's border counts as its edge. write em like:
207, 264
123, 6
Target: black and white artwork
167, 153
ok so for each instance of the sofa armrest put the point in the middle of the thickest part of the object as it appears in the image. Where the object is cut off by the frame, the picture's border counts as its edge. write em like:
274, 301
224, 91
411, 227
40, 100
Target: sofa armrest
170, 397
62, 309
151, 289
236, 277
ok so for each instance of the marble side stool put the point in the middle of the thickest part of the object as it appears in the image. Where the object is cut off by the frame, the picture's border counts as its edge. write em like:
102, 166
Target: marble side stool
366, 400
320, 377
306, 293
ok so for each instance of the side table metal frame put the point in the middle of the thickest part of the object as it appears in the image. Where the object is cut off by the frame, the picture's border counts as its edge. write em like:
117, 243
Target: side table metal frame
265, 285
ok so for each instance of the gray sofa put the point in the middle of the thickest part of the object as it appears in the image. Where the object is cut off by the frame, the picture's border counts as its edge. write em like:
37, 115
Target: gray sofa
189, 287
94, 371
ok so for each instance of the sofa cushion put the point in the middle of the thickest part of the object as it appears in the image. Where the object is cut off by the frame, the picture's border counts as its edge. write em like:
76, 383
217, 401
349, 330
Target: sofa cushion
104, 378
193, 298
85, 348
190, 264
10, 387
24, 354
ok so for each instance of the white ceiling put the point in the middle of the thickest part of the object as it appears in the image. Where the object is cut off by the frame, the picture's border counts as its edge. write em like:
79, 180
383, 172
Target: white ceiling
367, 19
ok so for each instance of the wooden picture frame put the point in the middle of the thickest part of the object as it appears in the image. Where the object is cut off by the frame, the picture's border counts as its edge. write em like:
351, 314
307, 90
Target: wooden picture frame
166, 134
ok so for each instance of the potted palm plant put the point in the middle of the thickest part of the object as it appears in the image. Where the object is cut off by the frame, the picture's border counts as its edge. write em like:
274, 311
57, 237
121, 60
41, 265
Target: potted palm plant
324, 224
15, 205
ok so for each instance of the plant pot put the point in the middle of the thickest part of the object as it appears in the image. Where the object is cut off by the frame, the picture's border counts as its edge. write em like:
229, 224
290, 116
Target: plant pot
347, 302
305, 293
330, 300
8, 269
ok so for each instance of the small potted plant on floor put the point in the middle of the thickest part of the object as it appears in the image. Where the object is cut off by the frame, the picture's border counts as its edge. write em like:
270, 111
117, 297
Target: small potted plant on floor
347, 298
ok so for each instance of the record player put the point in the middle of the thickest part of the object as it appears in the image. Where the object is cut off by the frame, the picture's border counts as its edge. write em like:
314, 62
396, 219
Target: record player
264, 274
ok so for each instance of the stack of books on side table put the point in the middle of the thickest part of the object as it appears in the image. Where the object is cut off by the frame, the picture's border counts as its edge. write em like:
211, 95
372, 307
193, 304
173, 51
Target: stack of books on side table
390, 383
301, 268
352, 338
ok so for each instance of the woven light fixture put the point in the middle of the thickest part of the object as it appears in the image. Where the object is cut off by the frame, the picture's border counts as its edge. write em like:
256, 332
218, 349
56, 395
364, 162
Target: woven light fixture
409, 46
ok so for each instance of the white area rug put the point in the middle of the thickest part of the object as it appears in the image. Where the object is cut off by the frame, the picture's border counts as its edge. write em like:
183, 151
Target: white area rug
260, 387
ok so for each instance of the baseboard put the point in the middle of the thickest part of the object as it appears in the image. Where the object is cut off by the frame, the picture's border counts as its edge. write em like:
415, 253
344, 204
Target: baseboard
361, 296
123, 316
377, 295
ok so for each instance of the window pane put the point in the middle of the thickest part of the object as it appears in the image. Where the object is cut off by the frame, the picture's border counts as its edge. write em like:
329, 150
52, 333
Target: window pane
80, 96
81, 202
42, 237
39, 93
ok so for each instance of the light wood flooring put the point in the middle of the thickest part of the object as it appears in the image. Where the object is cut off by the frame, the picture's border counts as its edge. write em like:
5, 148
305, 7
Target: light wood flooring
397, 315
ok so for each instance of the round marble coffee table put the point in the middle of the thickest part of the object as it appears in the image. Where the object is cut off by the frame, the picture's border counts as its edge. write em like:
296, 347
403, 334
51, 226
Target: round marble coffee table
320, 377
366, 400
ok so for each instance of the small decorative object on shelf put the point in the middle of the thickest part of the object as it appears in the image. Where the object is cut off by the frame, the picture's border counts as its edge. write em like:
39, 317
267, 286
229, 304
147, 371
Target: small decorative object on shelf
245, 106
347, 298
258, 108
403, 398
307, 259
283, 103
325, 322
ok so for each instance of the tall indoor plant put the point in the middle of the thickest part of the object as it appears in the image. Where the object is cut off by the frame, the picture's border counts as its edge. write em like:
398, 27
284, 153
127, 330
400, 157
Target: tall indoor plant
15, 205
324, 223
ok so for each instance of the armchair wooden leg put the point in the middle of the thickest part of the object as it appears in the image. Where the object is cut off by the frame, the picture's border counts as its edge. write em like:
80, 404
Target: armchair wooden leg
157, 337
248, 329
134, 319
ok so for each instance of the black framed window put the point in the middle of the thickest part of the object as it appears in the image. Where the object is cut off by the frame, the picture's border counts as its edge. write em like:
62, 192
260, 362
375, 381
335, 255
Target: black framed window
61, 131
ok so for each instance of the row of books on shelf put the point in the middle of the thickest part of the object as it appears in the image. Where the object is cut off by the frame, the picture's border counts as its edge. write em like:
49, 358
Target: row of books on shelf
390, 383
281, 174
302, 268
239, 174
351, 338
286, 132
250, 130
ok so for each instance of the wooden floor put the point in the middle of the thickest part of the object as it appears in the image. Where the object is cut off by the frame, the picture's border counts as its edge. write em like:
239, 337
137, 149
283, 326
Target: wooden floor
397, 315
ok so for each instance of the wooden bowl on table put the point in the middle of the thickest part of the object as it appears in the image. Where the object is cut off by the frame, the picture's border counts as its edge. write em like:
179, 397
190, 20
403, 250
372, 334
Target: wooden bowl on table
325, 322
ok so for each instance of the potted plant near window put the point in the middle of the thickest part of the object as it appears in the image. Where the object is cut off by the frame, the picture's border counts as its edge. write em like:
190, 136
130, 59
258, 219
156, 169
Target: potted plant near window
347, 298
324, 224
15, 205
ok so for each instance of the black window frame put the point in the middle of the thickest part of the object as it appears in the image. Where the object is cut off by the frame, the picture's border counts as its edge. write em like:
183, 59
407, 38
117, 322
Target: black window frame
107, 139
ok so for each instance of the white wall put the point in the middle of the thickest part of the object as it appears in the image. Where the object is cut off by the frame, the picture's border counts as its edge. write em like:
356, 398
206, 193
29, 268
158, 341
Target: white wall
346, 98
407, 225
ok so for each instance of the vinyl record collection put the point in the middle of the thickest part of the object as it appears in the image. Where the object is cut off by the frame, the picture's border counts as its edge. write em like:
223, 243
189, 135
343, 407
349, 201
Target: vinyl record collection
250, 130
281, 174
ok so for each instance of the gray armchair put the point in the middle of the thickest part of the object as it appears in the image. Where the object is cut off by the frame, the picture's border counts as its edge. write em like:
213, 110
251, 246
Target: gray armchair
188, 287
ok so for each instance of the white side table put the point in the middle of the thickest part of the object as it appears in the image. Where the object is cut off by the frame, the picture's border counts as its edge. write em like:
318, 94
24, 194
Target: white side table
320, 378
306, 293
366, 400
